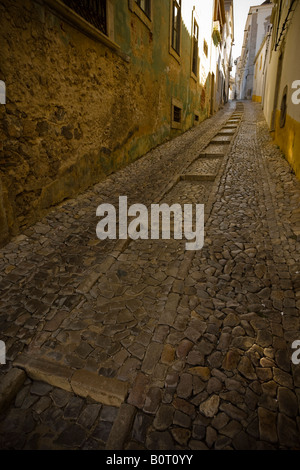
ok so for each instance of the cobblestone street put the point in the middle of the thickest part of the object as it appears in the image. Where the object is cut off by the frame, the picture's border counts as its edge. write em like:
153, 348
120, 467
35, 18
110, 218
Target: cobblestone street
142, 345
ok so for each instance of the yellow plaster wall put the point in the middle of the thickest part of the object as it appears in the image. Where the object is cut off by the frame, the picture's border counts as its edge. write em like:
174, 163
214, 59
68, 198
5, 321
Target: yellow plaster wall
256, 99
288, 139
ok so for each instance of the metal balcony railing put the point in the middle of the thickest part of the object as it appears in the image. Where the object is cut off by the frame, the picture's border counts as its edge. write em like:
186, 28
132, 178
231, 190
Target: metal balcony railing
93, 11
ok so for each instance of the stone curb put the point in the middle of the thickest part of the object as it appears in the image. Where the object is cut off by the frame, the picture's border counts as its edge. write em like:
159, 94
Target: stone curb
10, 386
197, 177
121, 427
104, 390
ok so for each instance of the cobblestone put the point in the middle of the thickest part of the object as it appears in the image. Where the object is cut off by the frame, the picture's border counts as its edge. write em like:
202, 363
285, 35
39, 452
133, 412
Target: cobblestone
203, 339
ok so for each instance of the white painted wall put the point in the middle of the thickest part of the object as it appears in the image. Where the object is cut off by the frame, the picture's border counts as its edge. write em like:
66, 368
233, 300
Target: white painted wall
212, 63
260, 15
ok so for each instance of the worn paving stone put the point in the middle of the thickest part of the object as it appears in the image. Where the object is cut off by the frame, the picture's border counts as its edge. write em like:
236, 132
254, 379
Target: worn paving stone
42, 404
168, 354
210, 407
185, 386
121, 427
181, 419
233, 412
231, 360
102, 431
89, 415
153, 400
73, 408
40, 388
164, 417
184, 405
288, 402
140, 427
282, 378
160, 441
60, 397
152, 356
73, 436
288, 433
267, 425
246, 368
231, 429
137, 395
10, 385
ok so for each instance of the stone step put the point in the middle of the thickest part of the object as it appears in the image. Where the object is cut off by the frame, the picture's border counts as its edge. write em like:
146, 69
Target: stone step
227, 132
10, 384
197, 177
215, 150
213, 155
221, 139
104, 390
230, 126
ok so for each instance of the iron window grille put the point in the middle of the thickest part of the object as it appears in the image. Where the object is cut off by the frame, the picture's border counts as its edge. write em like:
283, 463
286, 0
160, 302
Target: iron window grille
145, 5
93, 11
176, 114
176, 25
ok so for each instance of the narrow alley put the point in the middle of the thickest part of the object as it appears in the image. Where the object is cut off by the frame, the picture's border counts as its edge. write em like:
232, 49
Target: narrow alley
142, 345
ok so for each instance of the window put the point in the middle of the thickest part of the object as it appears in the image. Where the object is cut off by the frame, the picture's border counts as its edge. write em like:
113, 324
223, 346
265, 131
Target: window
219, 14
177, 110
145, 5
143, 10
283, 108
176, 26
176, 114
93, 11
195, 49
205, 48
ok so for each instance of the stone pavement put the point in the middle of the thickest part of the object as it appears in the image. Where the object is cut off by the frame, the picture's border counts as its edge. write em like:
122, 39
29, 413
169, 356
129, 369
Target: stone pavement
142, 345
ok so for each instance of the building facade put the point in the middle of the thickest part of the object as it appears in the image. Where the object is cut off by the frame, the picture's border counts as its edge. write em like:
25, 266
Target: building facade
92, 86
261, 62
281, 89
256, 28
228, 49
